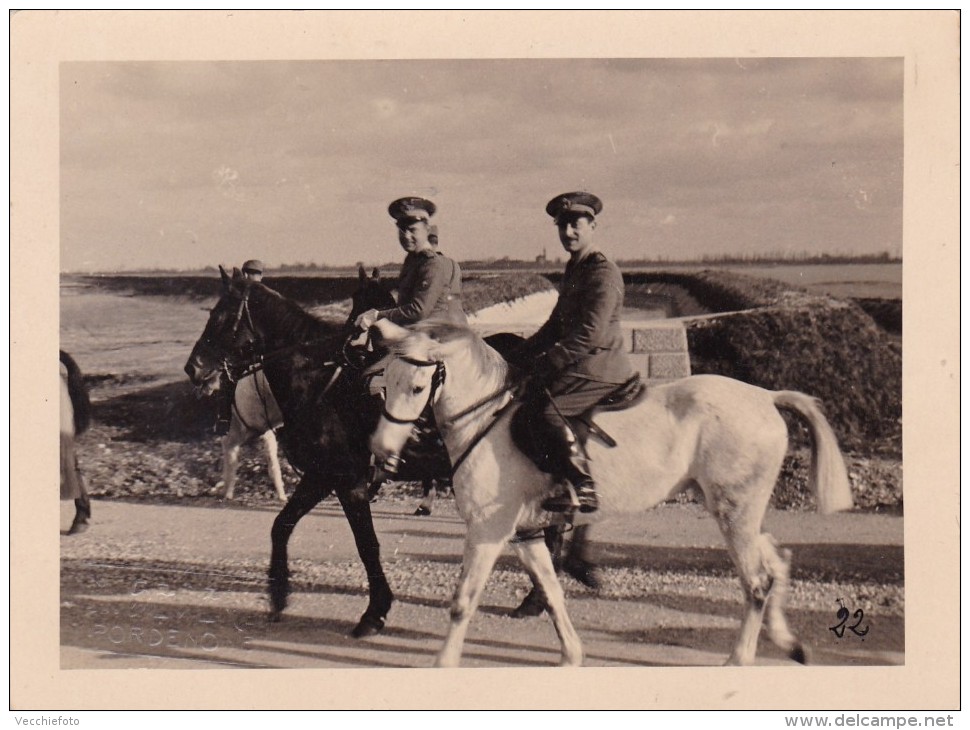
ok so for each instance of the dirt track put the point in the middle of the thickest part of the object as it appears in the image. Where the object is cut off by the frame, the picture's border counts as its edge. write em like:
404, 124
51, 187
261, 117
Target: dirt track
184, 588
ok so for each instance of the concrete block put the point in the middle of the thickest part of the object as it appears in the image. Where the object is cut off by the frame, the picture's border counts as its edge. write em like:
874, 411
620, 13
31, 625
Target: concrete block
669, 365
660, 339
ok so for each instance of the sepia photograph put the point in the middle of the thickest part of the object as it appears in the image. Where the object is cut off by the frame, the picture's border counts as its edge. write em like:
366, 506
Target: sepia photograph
580, 364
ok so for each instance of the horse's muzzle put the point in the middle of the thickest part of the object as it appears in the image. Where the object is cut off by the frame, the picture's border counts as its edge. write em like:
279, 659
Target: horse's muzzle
205, 379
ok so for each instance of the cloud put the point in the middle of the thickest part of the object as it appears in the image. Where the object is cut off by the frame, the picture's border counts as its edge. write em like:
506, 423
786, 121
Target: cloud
275, 153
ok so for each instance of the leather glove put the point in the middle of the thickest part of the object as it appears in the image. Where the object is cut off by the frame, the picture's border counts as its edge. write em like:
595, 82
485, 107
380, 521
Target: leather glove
365, 320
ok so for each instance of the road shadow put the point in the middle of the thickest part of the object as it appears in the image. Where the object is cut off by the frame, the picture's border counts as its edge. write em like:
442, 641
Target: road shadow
167, 412
810, 561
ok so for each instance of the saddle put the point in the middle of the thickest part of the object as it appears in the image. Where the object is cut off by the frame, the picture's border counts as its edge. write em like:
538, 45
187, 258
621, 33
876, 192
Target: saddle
530, 441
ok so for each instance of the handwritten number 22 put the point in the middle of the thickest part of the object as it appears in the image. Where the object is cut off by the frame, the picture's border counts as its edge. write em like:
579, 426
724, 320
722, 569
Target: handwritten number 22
843, 615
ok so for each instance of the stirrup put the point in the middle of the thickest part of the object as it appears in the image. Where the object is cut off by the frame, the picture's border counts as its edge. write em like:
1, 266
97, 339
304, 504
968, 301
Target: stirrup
565, 501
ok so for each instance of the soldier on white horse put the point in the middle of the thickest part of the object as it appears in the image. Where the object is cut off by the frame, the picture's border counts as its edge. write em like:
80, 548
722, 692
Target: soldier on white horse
722, 435
577, 356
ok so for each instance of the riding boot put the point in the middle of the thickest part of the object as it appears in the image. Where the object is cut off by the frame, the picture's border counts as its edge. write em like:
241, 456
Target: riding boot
572, 467
82, 513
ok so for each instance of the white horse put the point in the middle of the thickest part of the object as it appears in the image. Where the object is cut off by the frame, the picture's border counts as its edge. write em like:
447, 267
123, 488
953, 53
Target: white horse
721, 434
255, 412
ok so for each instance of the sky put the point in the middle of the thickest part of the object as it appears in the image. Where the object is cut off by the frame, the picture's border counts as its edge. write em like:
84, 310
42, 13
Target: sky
189, 164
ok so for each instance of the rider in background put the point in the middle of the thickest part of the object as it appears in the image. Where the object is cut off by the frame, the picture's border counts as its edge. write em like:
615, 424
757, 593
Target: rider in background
429, 286
577, 356
253, 271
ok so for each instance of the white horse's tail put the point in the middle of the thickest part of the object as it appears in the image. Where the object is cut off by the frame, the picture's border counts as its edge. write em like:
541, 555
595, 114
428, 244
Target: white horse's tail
828, 478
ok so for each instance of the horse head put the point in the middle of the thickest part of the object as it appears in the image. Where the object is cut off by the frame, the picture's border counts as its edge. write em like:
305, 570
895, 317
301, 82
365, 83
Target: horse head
434, 368
370, 294
412, 378
229, 334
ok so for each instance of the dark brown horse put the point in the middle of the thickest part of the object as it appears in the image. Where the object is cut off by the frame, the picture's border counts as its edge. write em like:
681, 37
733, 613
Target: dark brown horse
327, 414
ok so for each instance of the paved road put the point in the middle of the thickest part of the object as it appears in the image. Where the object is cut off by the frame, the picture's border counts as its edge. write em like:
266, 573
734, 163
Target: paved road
157, 586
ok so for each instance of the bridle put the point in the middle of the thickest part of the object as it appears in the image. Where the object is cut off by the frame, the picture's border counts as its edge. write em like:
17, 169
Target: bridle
437, 380
234, 369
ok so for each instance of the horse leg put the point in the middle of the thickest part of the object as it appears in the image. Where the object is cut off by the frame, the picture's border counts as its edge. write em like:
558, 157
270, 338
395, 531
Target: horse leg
273, 462
778, 563
231, 444
481, 552
764, 579
356, 507
761, 569
535, 603
538, 562
309, 493
82, 507
577, 562
427, 501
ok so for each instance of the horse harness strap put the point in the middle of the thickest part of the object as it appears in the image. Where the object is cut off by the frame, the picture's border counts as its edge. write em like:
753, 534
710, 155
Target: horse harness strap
260, 361
496, 417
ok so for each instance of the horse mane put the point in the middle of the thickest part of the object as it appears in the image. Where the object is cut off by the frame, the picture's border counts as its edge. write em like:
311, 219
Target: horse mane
292, 319
449, 338
80, 402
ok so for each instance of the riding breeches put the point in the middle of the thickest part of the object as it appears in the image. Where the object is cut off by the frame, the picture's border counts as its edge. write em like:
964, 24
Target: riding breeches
568, 396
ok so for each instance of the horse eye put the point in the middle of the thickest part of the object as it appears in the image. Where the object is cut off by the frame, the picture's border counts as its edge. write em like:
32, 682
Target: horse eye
417, 389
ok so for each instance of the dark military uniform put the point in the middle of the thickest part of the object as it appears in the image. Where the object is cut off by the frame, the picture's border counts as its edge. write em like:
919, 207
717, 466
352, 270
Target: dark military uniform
578, 357
429, 287
582, 337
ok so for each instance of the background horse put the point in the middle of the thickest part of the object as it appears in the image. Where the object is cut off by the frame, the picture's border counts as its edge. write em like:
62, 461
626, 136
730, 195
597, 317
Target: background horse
326, 410
255, 414
75, 419
725, 436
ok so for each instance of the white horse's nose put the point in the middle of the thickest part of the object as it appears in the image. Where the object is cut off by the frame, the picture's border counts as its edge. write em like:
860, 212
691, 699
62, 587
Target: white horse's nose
377, 446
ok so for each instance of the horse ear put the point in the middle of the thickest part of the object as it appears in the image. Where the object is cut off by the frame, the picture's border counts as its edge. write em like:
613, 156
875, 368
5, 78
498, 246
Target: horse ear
236, 273
225, 277
376, 274
361, 273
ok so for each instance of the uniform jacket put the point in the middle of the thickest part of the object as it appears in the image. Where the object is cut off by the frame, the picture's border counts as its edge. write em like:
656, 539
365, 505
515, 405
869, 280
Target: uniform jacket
429, 287
582, 336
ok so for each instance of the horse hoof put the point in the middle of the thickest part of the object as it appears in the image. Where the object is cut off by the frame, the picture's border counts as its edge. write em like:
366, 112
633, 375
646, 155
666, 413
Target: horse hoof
531, 606
368, 626
422, 512
585, 573
78, 527
799, 654
274, 617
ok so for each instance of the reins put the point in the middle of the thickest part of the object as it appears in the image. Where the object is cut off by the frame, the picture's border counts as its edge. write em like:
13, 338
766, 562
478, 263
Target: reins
496, 417
437, 381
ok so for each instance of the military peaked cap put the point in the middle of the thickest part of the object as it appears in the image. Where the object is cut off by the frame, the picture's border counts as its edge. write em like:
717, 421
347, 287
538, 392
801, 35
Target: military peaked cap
254, 265
408, 210
574, 204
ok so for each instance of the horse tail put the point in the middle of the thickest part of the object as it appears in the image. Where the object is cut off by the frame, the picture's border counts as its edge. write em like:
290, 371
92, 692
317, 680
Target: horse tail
828, 478
80, 402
